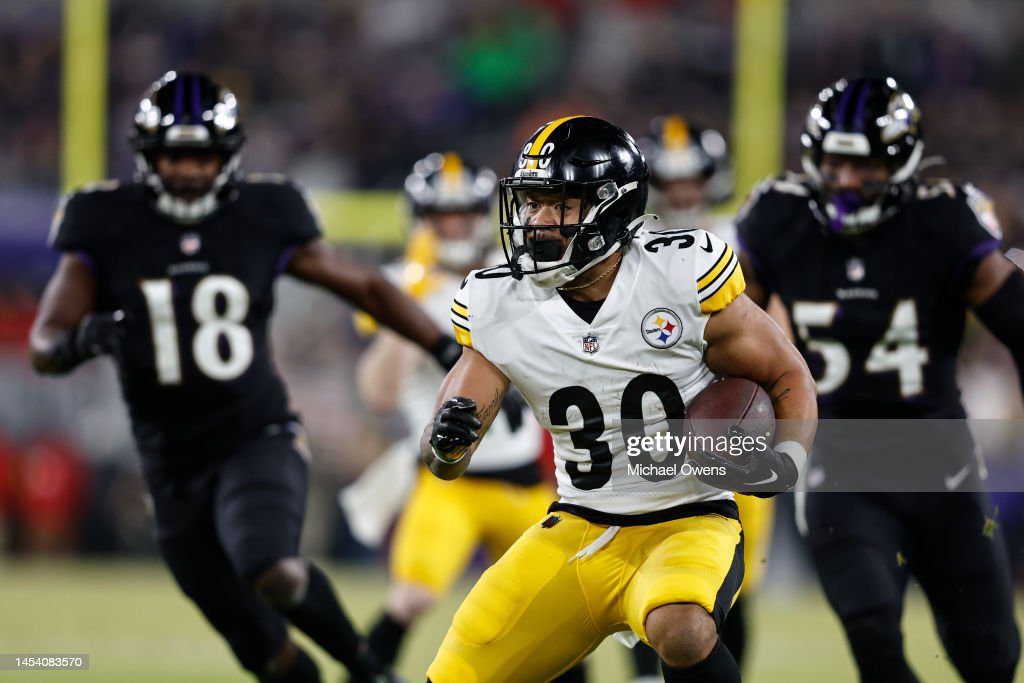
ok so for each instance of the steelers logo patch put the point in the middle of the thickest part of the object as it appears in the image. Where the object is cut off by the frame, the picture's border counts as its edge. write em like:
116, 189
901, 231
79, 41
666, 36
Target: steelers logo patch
661, 328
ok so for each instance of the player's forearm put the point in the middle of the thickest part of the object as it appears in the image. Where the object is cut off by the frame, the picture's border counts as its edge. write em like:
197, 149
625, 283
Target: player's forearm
795, 400
1003, 314
382, 369
394, 309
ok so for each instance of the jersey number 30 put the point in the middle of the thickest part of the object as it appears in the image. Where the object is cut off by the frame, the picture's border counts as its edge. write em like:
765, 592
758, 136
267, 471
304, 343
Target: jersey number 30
212, 326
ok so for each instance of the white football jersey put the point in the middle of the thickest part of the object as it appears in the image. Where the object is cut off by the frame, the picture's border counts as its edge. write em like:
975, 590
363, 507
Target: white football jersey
642, 357
501, 449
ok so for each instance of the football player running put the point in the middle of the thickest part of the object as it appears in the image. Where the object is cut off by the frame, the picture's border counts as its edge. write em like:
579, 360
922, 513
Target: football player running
502, 492
876, 269
173, 277
691, 174
604, 326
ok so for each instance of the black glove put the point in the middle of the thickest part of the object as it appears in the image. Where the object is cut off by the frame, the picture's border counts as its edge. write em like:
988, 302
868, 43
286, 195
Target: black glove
98, 334
454, 430
512, 408
763, 473
446, 351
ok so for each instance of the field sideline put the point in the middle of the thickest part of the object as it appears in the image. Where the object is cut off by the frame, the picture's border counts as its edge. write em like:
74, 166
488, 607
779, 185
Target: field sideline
136, 627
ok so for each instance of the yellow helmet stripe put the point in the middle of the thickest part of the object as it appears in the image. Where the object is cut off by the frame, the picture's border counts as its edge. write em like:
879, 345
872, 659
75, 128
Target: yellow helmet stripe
451, 168
542, 137
675, 132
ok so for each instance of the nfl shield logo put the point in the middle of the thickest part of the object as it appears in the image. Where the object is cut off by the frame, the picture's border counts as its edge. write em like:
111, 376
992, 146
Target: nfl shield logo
590, 344
190, 243
855, 270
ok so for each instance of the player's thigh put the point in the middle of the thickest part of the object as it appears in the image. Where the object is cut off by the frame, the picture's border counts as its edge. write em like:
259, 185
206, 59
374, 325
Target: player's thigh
188, 542
859, 545
526, 619
699, 561
261, 500
436, 534
756, 516
515, 509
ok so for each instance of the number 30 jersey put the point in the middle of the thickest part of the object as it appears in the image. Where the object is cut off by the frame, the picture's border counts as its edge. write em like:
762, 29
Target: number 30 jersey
879, 317
594, 385
195, 368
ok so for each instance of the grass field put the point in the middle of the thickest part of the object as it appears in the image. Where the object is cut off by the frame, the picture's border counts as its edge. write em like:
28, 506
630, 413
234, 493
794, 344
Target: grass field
137, 628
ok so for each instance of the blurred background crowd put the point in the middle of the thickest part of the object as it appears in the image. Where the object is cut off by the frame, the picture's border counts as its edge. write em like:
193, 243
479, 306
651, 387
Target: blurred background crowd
345, 95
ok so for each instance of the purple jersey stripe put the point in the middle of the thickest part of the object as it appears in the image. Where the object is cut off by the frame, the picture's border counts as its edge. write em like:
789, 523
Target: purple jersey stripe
283, 259
977, 252
87, 260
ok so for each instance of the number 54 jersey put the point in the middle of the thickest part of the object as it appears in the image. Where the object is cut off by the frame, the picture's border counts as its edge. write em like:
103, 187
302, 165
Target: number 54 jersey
594, 385
879, 317
195, 367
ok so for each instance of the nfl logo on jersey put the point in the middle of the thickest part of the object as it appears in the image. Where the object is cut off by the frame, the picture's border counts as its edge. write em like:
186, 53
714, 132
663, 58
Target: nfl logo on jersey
590, 344
190, 243
855, 270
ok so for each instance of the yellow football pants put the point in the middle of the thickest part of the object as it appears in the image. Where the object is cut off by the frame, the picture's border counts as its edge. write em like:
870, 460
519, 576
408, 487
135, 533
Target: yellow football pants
756, 516
541, 607
445, 521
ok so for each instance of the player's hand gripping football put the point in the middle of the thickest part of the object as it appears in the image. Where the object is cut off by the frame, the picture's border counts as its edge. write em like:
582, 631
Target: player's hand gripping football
455, 429
763, 473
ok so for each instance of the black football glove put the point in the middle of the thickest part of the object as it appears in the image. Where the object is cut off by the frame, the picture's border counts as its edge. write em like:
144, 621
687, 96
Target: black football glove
763, 473
98, 334
512, 407
446, 351
455, 429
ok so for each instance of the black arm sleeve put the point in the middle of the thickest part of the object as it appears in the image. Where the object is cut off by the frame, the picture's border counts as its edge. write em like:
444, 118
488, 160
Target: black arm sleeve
1003, 315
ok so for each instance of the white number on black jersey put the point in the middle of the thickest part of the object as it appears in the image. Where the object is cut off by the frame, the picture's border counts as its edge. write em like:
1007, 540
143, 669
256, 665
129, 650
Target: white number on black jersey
212, 326
897, 350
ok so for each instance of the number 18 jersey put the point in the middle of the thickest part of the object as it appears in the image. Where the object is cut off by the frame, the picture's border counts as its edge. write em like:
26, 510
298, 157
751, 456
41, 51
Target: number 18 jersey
195, 367
593, 385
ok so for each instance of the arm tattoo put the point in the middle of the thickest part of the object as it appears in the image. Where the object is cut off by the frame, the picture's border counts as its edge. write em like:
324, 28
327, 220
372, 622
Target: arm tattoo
491, 409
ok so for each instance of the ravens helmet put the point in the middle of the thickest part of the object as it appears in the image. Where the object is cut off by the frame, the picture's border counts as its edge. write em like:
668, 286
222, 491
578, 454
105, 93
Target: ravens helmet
585, 159
678, 149
181, 111
870, 118
444, 189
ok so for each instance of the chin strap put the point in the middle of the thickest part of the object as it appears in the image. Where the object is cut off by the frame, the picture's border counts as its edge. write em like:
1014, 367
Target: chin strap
567, 272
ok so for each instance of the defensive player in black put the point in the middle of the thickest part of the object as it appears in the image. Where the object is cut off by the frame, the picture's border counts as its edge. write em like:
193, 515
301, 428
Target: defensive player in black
173, 276
876, 268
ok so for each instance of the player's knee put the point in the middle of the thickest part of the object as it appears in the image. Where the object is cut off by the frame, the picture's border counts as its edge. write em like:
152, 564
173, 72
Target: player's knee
683, 634
986, 653
407, 601
283, 584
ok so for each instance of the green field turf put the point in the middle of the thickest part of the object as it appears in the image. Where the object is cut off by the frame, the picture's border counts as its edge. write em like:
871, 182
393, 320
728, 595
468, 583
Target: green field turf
136, 627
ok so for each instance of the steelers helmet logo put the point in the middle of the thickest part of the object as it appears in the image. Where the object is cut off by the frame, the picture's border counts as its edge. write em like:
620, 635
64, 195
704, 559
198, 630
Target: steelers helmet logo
661, 328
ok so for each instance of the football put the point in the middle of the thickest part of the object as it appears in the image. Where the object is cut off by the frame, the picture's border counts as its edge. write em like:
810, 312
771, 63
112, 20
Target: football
731, 404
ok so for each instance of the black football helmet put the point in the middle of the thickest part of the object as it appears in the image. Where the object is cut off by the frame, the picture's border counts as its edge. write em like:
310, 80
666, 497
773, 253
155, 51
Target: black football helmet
579, 157
187, 110
678, 149
865, 117
446, 183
